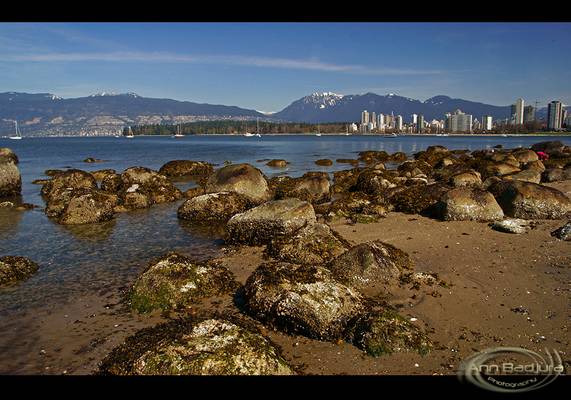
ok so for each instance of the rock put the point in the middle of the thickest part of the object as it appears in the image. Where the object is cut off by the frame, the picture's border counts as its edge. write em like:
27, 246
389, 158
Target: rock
10, 179
40, 181
213, 207
175, 282
240, 178
312, 244
374, 182
433, 155
177, 168
353, 162
277, 163
275, 218
468, 178
511, 225
194, 192
156, 187
535, 166
53, 172
528, 200
499, 169
14, 269
344, 181
371, 266
313, 189
92, 160
419, 199
399, 156
88, 206
359, 207
324, 162
99, 175
407, 167
556, 174
6, 204
111, 183
385, 332
549, 147
525, 175
563, 233
525, 156
301, 299
371, 156
468, 204
206, 346
7, 155
71, 179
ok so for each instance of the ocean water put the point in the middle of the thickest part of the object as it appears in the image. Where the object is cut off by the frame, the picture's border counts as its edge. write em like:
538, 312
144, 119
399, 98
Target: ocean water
91, 259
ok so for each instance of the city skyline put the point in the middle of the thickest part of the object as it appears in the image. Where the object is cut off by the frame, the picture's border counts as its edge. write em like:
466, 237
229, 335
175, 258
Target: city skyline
264, 66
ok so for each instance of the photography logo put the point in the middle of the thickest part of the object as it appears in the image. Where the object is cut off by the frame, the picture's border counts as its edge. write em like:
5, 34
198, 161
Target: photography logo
511, 369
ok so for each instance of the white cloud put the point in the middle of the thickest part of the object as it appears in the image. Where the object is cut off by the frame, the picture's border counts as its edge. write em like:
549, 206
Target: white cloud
254, 61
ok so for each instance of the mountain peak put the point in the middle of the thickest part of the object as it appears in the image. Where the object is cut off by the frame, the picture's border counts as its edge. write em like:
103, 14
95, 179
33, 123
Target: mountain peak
436, 100
103, 94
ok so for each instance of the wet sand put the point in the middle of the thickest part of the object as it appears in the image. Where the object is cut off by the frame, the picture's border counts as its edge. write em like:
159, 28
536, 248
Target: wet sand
501, 290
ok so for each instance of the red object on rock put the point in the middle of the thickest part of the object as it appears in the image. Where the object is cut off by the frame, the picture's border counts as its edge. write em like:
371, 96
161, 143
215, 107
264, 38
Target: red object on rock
542, 155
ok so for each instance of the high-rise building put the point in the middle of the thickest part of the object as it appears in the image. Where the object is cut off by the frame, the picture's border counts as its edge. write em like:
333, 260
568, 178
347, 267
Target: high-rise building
364, 117
554, 115
398, 122
459, 122
381, 121
414, 118
373, 119
519, 105
487, 122
528, 114
420, 124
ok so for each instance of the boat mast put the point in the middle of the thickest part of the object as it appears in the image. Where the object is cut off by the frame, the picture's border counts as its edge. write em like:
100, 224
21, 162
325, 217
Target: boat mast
258, 125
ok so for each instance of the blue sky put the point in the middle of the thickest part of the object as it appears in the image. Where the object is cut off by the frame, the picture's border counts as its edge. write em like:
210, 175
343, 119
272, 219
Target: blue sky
266, 66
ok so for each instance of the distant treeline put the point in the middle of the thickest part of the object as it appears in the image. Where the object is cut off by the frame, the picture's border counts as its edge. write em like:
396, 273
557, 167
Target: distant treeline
238, 127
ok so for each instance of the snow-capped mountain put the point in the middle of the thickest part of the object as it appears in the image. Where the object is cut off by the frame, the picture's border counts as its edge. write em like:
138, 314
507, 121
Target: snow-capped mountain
331, 107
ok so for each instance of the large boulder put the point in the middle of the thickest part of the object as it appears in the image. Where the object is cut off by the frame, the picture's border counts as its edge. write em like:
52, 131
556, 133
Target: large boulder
372, 266
525, 156
374, 182
301, 299
418, 199
312, 244
205, 346
550, 147
467, 178
528, 200
7, 154
10, 179
527, 175
240, 178
345, 180
384, 332
71, 179
276, 218
277, 163
313, 188
178, 168
88, 206
213, 207
174, 282
14, 269
358, 207
556, 174
156, 187
468, 204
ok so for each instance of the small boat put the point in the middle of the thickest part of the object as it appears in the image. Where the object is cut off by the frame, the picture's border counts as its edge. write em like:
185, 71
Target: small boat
318, 134
391, 135
504, 135
130, 134
18, 134
258, 135
178, 134
248, 134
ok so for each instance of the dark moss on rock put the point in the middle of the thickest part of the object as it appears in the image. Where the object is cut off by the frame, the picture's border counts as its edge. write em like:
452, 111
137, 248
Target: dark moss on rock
276, 163
301, 299
174, 282
468, 204
218, 207
14, 269
418, 199
384, 332
324, 162
8, 155
310, 188
10, 178
87, 206
177, 168
240, 178
313, 244
156, 187
196, 346
359, 207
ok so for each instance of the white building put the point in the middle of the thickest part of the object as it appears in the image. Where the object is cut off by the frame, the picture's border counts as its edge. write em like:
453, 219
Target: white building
353, 127
459, 122
487, 122
381, 121
364, 117
398, 122
519, 110
414, 118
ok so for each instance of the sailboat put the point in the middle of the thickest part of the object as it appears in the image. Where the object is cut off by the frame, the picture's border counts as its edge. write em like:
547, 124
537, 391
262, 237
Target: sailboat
258, 127
129, 134
178, 134
18, 134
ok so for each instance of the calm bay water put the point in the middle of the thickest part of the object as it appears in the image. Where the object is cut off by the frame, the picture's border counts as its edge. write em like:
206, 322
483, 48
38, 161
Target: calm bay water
91, 259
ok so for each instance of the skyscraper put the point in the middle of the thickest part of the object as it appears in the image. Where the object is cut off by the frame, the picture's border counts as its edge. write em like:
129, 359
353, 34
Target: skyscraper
414, 118
420, 124
373, 119
380, 121
528, 114
554, 115
364, 117
398, 122
519, 104
487, 122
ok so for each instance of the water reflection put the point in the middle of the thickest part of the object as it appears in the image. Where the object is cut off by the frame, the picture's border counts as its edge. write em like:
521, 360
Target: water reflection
207, 231
91, 232
9, 221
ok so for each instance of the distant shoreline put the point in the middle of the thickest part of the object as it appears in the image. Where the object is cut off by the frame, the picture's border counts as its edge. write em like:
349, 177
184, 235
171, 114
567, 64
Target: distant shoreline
565, 134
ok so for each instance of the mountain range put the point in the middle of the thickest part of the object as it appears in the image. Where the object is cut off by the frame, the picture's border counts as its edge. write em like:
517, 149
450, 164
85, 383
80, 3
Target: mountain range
106, 113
